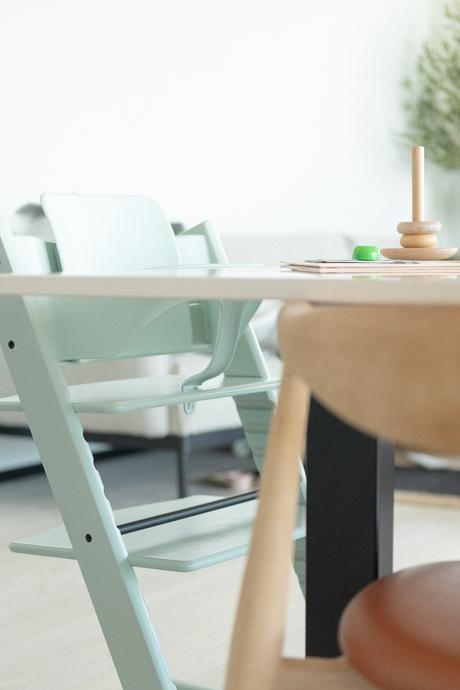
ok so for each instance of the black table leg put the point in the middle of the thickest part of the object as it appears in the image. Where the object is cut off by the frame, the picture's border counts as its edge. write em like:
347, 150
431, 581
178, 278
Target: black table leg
349, 521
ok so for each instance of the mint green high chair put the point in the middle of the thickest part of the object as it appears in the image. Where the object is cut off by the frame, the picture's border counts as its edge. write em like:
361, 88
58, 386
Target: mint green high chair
119, 235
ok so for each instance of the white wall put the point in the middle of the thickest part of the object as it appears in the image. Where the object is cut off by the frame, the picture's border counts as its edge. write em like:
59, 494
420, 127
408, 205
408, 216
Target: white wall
260, 114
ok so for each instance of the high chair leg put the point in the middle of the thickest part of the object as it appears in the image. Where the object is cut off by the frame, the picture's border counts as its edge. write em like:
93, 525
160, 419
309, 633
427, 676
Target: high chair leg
79, 494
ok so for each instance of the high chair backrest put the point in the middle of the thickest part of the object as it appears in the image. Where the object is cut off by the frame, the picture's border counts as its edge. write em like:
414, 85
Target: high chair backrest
122, 234
109, 234
102, 234
82, 329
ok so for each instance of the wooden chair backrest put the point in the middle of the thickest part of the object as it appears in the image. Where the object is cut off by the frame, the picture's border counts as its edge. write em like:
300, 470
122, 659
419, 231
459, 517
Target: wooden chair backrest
390, 371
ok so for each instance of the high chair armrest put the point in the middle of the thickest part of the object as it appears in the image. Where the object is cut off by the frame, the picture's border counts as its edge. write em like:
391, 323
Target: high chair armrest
215, 248
230, 317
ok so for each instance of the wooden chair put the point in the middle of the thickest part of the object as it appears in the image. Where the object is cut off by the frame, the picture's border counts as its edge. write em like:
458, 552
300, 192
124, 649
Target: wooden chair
392, 372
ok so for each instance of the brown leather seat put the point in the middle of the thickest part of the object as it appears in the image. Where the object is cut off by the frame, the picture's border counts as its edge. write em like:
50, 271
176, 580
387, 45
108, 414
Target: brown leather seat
403, 632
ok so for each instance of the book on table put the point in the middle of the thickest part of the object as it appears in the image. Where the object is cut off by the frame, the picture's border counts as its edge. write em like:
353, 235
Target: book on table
384, 267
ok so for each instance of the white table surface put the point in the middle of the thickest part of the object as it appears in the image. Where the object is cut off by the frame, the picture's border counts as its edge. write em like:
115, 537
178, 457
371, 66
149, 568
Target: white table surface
237, 282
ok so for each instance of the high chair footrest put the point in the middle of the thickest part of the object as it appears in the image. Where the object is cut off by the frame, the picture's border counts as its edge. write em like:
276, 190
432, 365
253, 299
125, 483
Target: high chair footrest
184, 545
129, 395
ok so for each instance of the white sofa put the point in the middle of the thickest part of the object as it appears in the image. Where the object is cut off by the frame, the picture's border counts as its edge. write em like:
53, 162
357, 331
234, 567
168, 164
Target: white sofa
213, 422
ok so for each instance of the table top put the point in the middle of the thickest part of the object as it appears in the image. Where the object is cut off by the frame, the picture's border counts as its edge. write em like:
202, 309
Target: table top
242, 282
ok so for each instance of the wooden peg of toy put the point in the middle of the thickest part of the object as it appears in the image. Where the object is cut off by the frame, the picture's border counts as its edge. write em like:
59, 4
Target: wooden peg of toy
418, 225
419, 236
418, 183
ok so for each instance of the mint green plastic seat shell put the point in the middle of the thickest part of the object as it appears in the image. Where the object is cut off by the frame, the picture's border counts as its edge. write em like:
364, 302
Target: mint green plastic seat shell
102, 234
38, 328
121, 234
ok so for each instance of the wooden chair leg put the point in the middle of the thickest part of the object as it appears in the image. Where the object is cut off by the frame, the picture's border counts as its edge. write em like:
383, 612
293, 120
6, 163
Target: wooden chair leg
255, 656
320, 674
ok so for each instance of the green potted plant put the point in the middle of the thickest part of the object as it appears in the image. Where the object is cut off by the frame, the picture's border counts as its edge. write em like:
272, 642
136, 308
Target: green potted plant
432, 106
433, 95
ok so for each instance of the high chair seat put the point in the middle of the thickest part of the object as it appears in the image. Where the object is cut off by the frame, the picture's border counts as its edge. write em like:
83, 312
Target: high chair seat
402, 632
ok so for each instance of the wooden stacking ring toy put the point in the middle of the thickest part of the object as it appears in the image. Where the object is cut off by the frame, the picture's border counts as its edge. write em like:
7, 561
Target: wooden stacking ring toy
419, 237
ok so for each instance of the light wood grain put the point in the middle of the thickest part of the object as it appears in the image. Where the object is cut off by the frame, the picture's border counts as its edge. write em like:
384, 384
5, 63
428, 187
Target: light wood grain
258, 635
419, 227
425, 241
392, 372
418, 241
418, 183
414, 254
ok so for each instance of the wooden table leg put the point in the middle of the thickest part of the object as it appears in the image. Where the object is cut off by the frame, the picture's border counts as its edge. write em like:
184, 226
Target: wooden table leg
349, 521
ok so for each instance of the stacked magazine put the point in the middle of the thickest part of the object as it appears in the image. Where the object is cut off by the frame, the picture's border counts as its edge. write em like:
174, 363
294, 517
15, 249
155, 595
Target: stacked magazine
384, 267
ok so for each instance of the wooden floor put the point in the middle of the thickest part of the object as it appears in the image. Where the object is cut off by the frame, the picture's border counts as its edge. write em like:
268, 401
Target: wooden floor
49, 635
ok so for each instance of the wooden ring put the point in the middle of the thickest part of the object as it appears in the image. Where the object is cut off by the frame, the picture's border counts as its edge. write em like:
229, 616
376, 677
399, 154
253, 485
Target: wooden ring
419, 227
424, 241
